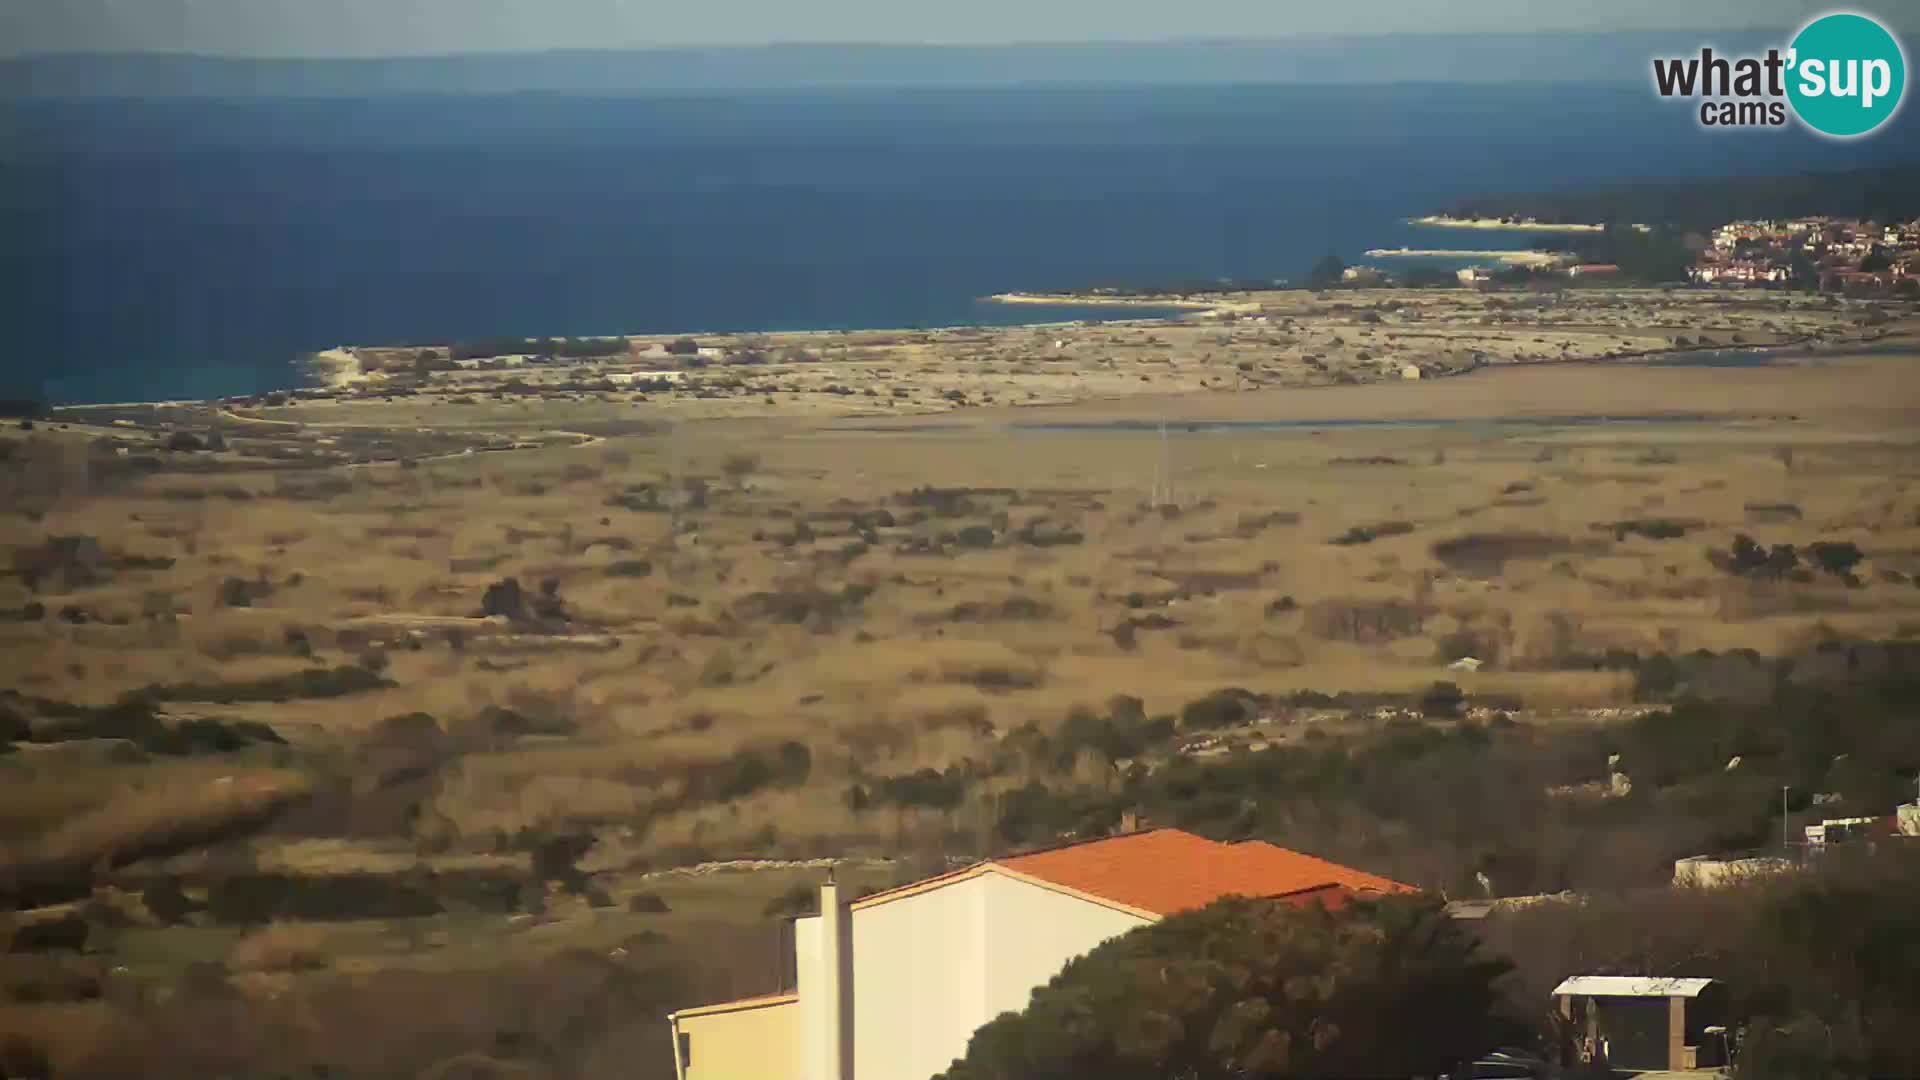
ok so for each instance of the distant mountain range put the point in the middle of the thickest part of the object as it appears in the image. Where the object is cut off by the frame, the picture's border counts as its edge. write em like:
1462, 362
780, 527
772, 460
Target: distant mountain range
1559, 58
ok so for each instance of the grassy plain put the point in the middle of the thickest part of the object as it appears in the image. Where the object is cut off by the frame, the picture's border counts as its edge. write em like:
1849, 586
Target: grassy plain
706, 580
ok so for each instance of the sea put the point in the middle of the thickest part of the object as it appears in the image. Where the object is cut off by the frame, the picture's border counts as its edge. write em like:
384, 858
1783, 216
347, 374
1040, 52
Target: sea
195, 248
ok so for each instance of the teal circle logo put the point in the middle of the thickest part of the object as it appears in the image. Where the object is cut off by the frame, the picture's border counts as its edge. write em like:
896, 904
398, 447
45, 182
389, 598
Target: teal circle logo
1846, 75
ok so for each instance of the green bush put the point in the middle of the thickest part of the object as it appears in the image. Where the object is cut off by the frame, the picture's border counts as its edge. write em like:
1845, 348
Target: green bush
1257, 988
165, 901
138, 722
1367, 534
65, 933
647, 903
257, 899
800, 900
1219, 709
1442, 700
975, 536
312, 683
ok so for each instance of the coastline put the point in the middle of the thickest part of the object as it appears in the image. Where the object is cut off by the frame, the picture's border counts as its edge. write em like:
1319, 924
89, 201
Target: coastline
336, 368
1070, 300
1511, 258
1177, 339
1442, 221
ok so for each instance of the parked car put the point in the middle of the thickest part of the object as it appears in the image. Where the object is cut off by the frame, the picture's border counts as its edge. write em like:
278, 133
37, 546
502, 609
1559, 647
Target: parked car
1506, 1064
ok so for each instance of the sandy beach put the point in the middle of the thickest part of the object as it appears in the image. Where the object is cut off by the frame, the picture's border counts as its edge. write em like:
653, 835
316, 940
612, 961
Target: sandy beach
1441, 221
1069, 299
1511, 258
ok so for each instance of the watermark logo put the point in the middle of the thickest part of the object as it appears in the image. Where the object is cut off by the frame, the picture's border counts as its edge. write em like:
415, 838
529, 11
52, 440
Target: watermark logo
1843, 75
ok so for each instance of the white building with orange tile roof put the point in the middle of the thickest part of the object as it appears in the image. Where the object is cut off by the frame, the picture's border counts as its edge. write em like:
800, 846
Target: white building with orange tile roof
892, 986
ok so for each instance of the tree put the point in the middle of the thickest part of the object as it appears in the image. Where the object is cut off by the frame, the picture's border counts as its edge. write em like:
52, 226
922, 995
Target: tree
1326, 272
1430, 277
685, 346
740, 466
1250, 989
1442, 700
1837, 559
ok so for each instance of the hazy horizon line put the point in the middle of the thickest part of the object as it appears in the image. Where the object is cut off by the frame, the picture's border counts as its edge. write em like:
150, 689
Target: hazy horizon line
738, 47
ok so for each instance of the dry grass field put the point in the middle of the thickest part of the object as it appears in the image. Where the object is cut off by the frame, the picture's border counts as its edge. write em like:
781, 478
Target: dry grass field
724, 618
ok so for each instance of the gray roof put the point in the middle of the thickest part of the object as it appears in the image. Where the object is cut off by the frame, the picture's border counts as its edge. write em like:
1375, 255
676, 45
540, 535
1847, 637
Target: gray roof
1630, 986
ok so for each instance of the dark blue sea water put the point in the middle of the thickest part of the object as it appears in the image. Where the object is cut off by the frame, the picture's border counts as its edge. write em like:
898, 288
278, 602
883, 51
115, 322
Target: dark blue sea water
194, 248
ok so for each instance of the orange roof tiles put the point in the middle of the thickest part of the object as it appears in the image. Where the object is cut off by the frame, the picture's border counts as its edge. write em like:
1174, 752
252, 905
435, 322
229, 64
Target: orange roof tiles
1285, 861
1164, 871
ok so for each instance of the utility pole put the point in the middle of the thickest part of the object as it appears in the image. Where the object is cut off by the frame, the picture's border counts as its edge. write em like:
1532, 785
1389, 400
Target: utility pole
1166, 467
1156, 498
1786, 841
673, 482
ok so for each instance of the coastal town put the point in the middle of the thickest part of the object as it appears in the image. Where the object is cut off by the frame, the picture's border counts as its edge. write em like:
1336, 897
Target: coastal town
1839, 253
1829, 254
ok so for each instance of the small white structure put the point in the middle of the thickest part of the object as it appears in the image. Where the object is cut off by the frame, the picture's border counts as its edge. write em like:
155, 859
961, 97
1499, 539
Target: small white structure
627, 378
1639, 1024
1838, 829
1465, 663
1411, 371
1708, 871
1908, 818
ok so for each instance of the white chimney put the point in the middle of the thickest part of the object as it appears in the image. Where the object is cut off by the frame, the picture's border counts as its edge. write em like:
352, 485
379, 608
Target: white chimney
836, 982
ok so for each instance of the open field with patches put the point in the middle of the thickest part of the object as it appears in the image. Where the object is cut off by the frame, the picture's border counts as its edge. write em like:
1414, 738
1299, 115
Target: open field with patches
1239, 341
373, 690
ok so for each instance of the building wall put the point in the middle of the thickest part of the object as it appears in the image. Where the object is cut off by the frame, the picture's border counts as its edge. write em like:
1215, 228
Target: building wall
919, 981
929, 969
756, 1043
1908, 819
1634, 1032
810, 1062
1031, 934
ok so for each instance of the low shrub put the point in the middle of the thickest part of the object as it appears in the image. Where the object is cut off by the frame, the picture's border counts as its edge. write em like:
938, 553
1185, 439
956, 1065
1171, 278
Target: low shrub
263, 898
1772, 513
794, 606
308, 684
1363, 622
167, 902
67, 933
1442, 700
748, 770
1486, 554
1649, 528
139, 723
47, 979
281, 947
502, 721
1220, 709
926, 788
1367, 534
798, 901
647, 903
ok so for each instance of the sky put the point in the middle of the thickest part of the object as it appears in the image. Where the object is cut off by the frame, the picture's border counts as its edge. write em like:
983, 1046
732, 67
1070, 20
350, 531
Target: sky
315, 28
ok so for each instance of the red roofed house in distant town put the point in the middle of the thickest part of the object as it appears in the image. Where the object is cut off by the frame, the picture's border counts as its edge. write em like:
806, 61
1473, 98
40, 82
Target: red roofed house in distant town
893, 985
